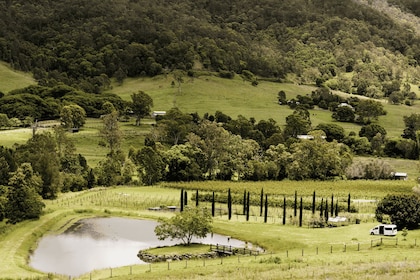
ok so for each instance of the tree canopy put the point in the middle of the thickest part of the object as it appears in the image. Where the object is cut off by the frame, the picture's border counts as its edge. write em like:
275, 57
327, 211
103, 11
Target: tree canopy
23, 200
87, 43
403, 210
192, 222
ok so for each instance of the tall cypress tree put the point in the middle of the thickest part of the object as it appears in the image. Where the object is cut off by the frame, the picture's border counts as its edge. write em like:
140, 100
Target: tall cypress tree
247, 207
229, 205
182, 200
185, 198
321, 213
326, 210
284, 210
261, 201
313, 203
348, 203
244, 210
332, 205
212, 206
266, 209
295, 205
300, 212
196, 198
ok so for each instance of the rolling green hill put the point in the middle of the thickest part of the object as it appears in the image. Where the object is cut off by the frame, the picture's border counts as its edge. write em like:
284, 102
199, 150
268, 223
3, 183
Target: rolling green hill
11, 79
208, 94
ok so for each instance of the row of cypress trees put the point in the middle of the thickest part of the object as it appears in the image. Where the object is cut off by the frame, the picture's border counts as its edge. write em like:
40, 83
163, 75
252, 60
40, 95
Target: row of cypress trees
325, 209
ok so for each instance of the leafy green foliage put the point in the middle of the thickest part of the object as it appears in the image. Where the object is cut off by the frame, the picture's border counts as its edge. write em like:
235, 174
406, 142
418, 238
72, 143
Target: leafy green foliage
41, 152
318, 159
72, 116
141, 105
192, 222
23, 200
403, 210
151, 165
412, 124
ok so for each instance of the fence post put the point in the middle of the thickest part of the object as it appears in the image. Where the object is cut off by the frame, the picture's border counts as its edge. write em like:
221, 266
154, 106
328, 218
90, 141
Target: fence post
317, 250
287, 253
345, 248
358, 246
331, 249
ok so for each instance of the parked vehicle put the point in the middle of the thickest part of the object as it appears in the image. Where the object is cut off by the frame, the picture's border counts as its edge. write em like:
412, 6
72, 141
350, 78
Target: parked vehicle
384, 229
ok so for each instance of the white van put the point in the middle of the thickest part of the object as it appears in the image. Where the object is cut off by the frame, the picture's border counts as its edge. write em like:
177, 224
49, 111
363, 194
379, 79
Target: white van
383, 229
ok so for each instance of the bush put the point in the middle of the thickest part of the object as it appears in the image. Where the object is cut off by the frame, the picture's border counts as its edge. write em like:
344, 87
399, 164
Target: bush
404, 210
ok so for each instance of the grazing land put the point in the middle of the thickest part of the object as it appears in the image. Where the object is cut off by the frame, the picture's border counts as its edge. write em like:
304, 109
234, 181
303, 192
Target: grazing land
12, 79
290, 251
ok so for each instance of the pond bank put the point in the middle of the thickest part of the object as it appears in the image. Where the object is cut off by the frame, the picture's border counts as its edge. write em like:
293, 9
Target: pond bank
151, 258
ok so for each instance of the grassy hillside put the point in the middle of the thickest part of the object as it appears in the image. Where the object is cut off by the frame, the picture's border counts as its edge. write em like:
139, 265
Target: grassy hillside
208, 94
12, 79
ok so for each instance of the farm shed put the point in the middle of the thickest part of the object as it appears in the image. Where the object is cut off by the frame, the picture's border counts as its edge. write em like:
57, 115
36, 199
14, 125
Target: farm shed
399, 175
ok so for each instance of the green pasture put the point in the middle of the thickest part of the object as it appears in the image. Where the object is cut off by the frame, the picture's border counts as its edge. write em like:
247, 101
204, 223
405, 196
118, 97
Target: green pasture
208, 94
11, 79
290, 251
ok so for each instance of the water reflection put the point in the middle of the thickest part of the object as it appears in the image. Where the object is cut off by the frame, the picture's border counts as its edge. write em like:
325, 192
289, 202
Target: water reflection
100, 243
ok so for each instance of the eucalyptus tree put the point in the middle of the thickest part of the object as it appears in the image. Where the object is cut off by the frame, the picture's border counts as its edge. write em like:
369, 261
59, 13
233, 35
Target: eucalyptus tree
41, 152
318, 159
72, 116
111, 132
151, 166
142, 104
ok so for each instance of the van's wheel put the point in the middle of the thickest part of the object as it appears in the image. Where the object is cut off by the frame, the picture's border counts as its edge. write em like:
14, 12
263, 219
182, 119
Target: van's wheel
371, 233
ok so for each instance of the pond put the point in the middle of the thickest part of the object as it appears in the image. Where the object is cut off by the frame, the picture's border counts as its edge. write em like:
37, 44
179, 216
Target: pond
100, 243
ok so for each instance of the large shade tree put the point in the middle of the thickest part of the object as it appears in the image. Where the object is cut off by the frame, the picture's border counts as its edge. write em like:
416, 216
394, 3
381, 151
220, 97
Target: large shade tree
72, 116
403, 210
192, 222
41, 152
318, 159
142, 103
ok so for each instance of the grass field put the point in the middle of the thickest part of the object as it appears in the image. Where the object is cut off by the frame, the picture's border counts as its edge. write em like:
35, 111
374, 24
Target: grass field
11, 79
290, 251
208, 94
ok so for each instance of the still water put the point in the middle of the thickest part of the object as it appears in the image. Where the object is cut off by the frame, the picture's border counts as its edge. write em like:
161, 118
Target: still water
99, 243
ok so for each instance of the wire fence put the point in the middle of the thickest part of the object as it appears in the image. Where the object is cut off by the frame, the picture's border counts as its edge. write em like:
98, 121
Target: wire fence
286, 260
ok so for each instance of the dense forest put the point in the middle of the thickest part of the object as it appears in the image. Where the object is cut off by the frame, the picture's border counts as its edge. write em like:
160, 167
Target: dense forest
86, 43
411, 6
